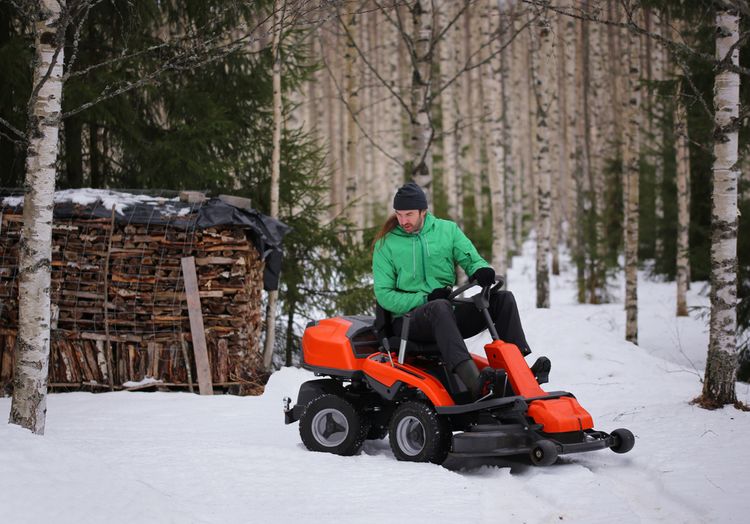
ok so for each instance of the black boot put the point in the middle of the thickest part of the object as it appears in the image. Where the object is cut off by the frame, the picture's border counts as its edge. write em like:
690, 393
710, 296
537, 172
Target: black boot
468, 372
541, 369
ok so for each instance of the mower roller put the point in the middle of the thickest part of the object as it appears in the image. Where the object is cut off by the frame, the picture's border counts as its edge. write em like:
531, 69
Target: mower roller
378, 384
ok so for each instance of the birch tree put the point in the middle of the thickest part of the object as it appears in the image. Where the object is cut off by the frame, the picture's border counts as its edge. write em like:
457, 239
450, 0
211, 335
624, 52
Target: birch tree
682, 161
421, 119
449, 110
353, 164
719, 381
29, 405
494, 112
279, 7
682, 167
543, 65
631, 176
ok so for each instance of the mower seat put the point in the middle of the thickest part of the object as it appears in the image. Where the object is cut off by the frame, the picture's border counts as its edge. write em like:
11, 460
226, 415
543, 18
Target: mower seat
384, 329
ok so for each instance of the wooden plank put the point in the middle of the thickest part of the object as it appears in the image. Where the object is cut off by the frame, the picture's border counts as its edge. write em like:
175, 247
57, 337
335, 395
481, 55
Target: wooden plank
197, 333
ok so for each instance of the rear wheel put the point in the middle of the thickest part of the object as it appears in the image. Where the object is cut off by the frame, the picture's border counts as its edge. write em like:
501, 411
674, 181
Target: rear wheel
330, 423
544, 453
623, 440
418, 434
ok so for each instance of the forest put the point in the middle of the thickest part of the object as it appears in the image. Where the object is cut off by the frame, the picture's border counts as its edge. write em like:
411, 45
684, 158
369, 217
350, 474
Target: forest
613, 130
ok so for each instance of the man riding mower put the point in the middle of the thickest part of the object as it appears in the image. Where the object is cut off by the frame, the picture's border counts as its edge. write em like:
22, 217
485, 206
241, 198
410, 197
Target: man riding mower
434, 388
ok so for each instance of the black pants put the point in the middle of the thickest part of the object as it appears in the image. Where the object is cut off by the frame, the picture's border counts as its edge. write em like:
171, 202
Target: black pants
440, 322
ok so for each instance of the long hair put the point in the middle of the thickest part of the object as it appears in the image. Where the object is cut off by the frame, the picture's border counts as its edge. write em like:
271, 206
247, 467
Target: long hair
389, 225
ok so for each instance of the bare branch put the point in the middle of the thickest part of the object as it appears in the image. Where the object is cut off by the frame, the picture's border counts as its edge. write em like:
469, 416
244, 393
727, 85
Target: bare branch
468, 65
676, 47
451, 23
374, 70
20, 134
342, 98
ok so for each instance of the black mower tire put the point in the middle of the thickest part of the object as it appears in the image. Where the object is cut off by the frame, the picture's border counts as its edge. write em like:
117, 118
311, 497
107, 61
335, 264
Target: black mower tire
623, 440
331, 424
543, 453
418, 434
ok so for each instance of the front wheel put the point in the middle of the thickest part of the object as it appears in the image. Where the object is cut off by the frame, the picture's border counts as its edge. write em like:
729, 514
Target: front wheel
544, 453
623, 440
330, 423
418, 434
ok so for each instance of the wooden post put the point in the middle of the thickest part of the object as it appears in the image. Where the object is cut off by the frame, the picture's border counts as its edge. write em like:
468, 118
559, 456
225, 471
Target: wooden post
108, 344
197, 333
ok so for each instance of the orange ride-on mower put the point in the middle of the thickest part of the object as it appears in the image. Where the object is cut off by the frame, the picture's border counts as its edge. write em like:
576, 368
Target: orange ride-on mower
425, 409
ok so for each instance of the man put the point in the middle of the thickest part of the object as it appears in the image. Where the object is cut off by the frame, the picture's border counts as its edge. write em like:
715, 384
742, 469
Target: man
413, 264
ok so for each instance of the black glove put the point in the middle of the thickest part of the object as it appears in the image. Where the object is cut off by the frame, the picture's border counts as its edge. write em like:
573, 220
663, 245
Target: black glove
438, 293
484, 276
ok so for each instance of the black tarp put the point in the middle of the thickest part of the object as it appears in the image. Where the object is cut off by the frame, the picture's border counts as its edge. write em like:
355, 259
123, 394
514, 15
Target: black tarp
266, 233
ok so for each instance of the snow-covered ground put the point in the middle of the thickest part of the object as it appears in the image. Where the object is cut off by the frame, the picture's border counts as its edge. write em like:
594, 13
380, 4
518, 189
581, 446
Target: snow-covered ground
176, 457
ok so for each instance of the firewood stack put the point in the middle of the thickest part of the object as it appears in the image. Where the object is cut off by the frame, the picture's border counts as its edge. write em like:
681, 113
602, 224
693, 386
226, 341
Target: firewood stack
118, 294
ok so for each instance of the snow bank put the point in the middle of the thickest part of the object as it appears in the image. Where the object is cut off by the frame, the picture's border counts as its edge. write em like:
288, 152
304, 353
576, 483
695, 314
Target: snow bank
177, 457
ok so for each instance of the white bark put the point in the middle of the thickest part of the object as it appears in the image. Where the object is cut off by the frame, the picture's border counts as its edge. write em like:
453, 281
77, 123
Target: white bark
421, 124
657, 58
682, 151
352, 95
447, 52
598, 122
29, 405
543, 66
583, 142
495, 117
630, 162
719, 383
522, 166
395, 135
568, 100
278, 7
508, 141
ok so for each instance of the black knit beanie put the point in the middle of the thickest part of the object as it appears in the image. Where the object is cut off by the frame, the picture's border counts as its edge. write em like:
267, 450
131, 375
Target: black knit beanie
409, 196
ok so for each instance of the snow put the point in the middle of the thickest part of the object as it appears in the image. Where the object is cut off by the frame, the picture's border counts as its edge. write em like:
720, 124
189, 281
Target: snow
109, 199
177, 457
146, 381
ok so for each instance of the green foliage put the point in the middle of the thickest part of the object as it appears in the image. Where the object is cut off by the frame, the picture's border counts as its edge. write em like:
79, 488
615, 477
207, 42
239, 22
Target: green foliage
204, 122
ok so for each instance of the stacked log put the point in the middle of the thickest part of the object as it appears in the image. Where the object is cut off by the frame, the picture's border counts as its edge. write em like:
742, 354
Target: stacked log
117, 289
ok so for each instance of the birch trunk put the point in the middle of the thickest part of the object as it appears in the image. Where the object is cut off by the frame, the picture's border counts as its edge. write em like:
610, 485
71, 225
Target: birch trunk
332, 106
683, 204
395, 134
278, 8
569, 94
493, 113
594, 89
582, 174
557, 142
352, 94
630, 161
719, 383
519, 89
447, 52
29, 405
421, 124
600, 102
543, 63
656, 59
368, 189
508, 141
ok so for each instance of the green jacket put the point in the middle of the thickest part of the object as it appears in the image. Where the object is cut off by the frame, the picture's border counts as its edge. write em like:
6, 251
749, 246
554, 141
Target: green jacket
407, 266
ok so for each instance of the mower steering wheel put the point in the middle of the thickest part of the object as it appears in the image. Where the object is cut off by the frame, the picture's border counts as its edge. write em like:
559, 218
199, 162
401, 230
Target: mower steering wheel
456, 297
